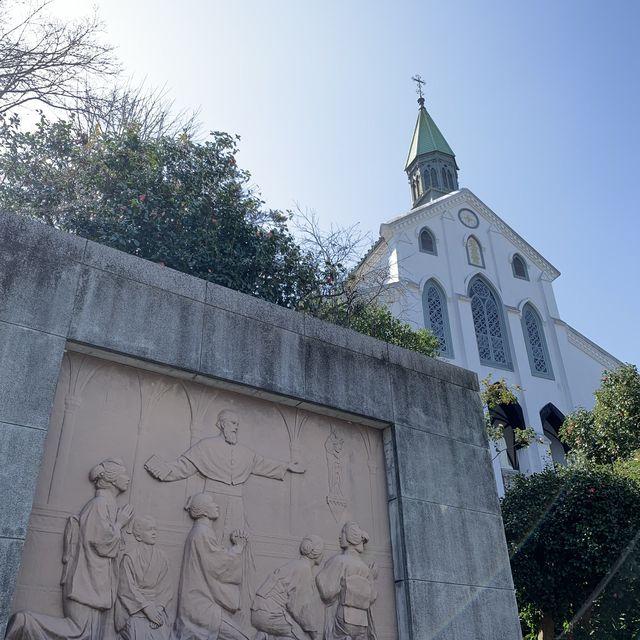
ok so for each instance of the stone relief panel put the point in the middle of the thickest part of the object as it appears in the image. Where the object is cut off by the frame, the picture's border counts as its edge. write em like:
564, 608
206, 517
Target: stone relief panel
225, 515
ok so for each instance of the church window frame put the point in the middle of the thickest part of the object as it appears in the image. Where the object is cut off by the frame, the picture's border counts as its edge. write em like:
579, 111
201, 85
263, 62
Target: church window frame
436, 316
427, 180
536, 343
519, 267
489, 324
475, 254
445, 184
427, 241
434, 178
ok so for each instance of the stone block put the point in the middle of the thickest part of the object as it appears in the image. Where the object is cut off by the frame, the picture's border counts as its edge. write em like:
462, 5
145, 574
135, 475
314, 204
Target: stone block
430, 404
39, 269
136, 319
446, 544
440, 611
143, 271
251, 307
342, 337
241, 349
10, 558
433, 367
438, 469
347, 380
20, 455
30, 363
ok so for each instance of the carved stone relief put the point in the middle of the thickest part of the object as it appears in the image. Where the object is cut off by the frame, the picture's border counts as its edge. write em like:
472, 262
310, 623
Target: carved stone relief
336, 454
285, 603
92, 544
255, 476
347, 586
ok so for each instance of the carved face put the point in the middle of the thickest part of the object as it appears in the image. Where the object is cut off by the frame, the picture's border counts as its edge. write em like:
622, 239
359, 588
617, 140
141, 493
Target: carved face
148, 534
122, 481
213, 510
229, 427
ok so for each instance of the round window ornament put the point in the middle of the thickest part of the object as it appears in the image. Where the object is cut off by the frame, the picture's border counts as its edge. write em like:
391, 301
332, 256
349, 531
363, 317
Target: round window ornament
468, 218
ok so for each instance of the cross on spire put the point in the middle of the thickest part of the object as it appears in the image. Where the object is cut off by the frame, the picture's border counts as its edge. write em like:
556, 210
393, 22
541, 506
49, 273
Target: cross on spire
419, 82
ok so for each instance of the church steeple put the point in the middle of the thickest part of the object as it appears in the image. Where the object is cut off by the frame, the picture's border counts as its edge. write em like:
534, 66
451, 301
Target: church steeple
431, 164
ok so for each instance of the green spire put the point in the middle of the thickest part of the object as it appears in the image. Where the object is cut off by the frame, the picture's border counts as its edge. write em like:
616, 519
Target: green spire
426, 137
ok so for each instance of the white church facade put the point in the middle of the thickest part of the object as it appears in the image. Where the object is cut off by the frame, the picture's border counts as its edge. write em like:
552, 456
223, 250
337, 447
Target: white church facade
455, 267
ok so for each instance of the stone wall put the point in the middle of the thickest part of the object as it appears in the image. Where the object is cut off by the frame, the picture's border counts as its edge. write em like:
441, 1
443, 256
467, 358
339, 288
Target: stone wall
58, 292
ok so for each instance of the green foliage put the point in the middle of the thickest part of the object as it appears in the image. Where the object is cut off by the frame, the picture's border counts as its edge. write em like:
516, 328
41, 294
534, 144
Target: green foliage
494, 394
378, 322
611, 431
569, 530
170, 200
185, 205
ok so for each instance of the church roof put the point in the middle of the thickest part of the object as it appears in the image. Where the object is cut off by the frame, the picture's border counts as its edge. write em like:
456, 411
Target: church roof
461, 197
426, 138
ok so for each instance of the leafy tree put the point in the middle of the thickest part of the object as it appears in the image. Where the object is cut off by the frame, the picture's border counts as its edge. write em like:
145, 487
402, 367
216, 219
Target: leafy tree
170, 199
572, 535
377, 321
611, 430
183, 204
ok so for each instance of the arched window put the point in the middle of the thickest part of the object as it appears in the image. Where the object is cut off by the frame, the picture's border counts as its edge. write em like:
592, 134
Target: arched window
474, 252
536, 344
445, 184
450, 180
427, 242
436, 318
552, 419
434, 178
488, 322
427, 180
519, 267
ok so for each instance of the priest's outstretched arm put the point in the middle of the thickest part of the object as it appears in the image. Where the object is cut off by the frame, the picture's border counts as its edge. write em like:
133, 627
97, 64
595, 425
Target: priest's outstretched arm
169, 471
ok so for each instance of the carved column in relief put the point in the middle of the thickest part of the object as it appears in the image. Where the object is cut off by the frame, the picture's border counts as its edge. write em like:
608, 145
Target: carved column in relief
81, 371
372, 446
294, 420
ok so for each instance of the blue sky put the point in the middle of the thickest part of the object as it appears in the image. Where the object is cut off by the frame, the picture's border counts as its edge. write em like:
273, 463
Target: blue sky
539, 100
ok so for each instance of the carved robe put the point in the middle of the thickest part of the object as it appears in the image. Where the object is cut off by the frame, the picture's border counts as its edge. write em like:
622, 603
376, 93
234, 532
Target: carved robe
284, 604
89, 580
144, 580
209, 588
346, 585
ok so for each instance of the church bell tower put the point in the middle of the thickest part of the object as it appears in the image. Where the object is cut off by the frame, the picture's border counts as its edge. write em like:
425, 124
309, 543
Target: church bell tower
431, 164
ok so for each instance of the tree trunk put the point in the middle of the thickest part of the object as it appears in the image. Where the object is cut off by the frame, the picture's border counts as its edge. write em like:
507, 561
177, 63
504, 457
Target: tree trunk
547, 631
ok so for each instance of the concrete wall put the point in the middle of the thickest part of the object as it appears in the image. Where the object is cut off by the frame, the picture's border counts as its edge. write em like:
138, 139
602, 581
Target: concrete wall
451, 567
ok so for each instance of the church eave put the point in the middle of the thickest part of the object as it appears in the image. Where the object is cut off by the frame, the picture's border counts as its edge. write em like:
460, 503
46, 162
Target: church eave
460, 197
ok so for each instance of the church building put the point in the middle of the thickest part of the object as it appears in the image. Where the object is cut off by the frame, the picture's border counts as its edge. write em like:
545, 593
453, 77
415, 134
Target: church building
457, 268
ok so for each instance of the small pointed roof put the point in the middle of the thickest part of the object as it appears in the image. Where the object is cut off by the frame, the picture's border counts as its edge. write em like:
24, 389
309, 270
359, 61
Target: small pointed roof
426, 138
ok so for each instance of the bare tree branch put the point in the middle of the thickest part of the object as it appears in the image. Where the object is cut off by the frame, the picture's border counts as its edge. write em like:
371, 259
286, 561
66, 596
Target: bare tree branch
45, 60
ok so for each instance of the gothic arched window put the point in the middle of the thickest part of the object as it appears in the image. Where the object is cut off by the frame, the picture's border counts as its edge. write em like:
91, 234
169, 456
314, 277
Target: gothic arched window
474, 252
519, 267
488, 322
434, 178
536, 344
427, 242
427, 180
450, 179
445, 184
436, 318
